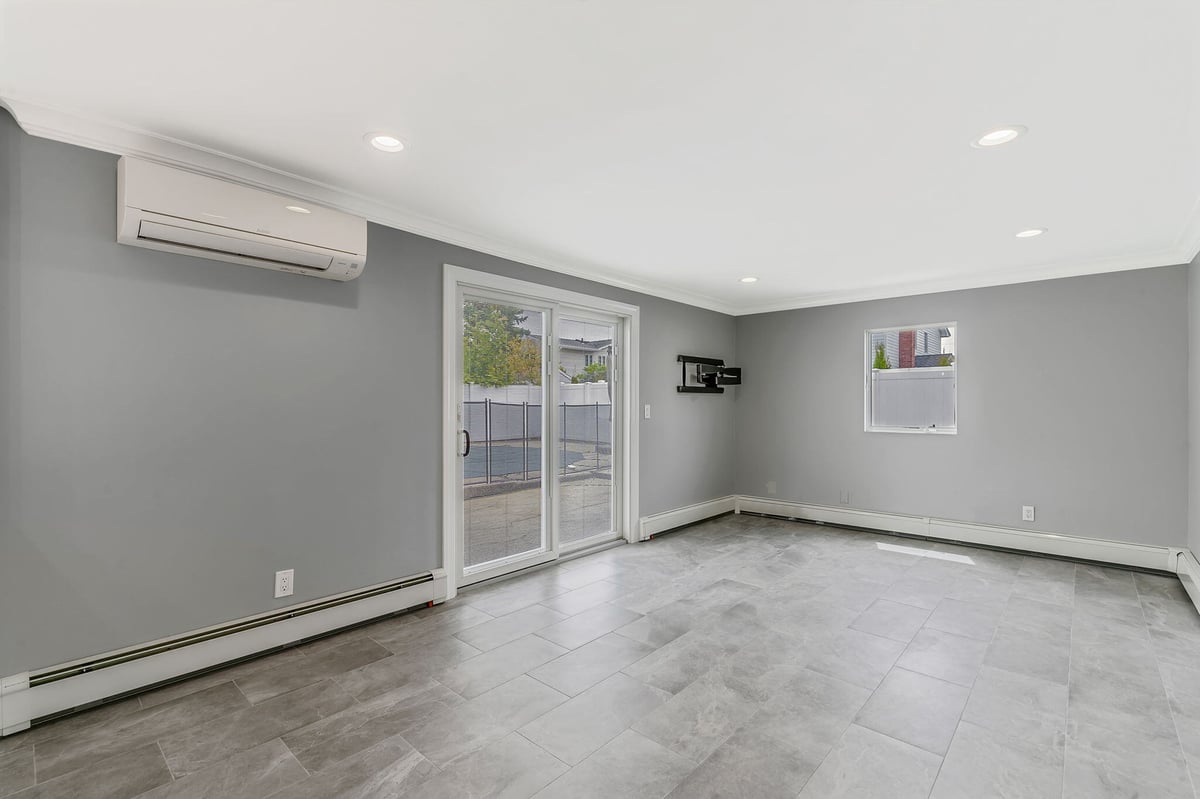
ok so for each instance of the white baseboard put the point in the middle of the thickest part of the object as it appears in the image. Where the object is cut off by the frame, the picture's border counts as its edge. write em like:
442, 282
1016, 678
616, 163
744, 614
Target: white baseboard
20, 704
689, 514
894, 522
1188, 569
1118, 552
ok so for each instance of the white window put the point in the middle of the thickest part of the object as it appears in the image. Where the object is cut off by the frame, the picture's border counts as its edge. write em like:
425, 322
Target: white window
912, 379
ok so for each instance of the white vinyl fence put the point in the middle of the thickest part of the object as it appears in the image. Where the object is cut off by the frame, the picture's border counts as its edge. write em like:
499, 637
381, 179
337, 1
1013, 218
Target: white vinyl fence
569, 393
922, 397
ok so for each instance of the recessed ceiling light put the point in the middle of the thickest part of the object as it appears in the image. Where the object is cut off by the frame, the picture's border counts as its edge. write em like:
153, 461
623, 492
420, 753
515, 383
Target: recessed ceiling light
994, 138
297, 209
385, 141
1029, 234
749, 280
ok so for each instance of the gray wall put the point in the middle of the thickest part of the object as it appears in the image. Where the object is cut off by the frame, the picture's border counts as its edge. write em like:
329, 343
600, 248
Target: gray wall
9, 331
1058, 407
1193, 498
183, 428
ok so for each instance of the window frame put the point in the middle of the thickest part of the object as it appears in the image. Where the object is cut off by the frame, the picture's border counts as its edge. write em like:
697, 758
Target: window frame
868, 356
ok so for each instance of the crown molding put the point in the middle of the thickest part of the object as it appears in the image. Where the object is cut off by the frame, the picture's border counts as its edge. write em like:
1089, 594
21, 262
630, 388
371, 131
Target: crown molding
60, 125
1032, 274
1188, 243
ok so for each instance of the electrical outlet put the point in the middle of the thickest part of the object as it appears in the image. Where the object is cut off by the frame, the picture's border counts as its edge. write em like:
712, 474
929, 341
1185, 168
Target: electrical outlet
1027, 513
844, 497
285, 583
647, 410
771, 488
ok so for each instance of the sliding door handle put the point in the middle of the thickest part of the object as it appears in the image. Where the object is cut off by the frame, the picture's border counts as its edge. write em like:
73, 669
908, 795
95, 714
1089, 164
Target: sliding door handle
467, 436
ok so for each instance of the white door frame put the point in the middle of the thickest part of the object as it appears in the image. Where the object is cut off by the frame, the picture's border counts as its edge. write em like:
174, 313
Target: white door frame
619, 422
548, 493
456, 278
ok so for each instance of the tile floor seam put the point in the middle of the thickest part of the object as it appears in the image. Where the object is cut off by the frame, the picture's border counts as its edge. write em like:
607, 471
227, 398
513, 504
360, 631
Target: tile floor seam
288, 749
970, 690
166, 762
534, 677
875, 690
547, 751
825, 757
456, 693
1170, 705
240, 691
957, 724
294, 754
382, 644
908, 743
1070, 669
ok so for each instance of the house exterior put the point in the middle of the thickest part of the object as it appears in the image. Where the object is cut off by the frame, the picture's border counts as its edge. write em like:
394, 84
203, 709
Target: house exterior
574, 354
906, 349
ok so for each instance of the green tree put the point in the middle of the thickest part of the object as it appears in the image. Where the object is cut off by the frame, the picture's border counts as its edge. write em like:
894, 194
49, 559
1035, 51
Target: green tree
524, 362
592, 373
946, 360
881, 361
489, 333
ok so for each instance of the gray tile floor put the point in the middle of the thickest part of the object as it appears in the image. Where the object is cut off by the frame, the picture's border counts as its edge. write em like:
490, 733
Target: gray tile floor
744, 657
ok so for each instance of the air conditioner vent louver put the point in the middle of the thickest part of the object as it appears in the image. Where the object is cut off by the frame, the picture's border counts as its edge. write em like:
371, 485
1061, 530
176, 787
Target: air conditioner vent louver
172, 210
217, 243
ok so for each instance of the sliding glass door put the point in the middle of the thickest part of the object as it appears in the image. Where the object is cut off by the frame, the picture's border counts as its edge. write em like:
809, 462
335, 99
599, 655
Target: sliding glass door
537, 438
504, 391
587, 362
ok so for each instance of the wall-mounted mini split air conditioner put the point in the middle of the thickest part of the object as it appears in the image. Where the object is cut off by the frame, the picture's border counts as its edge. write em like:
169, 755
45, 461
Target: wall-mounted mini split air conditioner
177, 211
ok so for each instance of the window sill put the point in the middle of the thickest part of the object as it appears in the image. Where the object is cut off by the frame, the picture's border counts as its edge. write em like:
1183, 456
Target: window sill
921, 431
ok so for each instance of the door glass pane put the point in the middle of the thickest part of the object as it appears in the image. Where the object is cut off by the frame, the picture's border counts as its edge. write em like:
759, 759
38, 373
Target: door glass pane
503, 396
585, 429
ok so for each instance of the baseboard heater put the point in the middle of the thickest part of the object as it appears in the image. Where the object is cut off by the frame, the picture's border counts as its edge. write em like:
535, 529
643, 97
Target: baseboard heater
1189, 574
1147, 557
35, 696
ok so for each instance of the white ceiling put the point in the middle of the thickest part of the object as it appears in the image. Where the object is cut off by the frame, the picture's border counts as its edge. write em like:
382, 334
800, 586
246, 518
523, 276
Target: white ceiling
822, 146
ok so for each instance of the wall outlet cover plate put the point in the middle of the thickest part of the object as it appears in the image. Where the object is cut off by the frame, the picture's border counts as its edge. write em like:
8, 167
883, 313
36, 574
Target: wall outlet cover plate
285, 583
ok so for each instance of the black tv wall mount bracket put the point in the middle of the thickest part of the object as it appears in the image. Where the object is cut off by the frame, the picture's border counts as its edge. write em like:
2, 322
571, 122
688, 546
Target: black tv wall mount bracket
706, 375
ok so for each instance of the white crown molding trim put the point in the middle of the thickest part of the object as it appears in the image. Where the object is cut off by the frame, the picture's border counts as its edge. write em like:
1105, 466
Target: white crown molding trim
59, 125
657, 523
20, 704
1070, 546
1188, 243
1171, 257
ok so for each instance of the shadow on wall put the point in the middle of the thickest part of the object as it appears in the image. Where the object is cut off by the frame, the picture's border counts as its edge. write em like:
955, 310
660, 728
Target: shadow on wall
201, 273
23, 567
